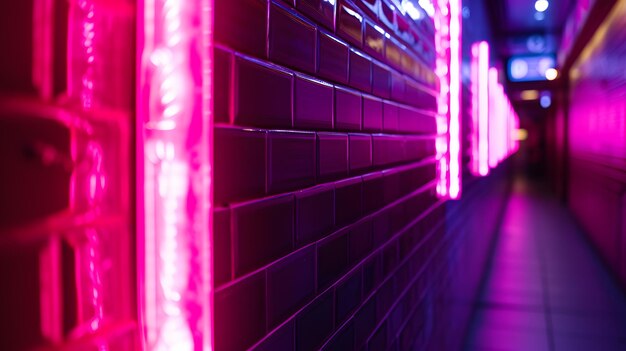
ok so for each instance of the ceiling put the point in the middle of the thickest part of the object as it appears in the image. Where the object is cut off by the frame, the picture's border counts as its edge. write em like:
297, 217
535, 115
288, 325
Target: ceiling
514, 21
517, 32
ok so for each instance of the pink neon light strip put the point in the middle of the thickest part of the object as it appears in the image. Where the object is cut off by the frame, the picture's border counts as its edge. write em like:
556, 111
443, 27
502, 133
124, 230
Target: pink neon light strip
483, 108
455, 99
175, 158
493, 117
474, 92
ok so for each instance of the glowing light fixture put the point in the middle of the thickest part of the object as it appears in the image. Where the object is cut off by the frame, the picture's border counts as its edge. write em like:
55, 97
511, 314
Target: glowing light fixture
540, 16
455, 99
521, 134
541, 5
174, 125
480, 105
529, 95
551, 74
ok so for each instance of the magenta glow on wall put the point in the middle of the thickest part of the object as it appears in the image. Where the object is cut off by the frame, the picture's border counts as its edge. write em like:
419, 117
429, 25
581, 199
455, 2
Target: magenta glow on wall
448, 46
494, 121
480, 108
174, 123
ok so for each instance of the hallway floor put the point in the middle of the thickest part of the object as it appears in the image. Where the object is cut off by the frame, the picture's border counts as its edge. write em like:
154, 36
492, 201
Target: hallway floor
546, 289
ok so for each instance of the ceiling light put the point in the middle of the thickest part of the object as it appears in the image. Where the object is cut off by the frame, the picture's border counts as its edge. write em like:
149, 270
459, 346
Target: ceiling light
541, 5
528, 95
539, 16
545, 101
551, 73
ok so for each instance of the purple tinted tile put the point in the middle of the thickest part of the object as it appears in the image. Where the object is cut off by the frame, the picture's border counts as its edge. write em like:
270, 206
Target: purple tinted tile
390, 117
223, 62
387, 14
333, 58
421, 123
381, 228
387, 149
370, 7
381, 81
313, 104
372, 274
263, 232
360, 152
290, 284
390, 258
419, 147
350, 24
347, 109
292, 163
408, 120
347, 296
239, 164
374, 40
409, 62
392, 187
332, 155
292, 40
385, 295
378, 341
343, 340
241, 24
262, 94
397, 87
359, 241
360, 71
364, 322
332, 260
393, 53
372, 114
373, 192
282, 339
315, 212
240, 310
419, 96
315, 324
221, 240
322, 11
348, 201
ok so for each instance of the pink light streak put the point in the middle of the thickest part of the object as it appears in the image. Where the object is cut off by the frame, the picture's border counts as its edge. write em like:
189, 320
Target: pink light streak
493, 116
448, 69
175, 125
483, 108
455, 99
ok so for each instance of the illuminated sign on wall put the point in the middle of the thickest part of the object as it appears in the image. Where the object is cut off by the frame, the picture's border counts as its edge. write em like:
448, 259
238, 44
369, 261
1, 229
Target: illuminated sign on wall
530, 68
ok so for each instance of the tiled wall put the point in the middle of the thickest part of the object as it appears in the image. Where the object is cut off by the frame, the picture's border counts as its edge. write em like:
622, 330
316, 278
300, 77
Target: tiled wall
597, 141
328, 233
324, 174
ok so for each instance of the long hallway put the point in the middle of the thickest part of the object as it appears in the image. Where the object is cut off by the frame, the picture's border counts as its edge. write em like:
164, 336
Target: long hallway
545, 288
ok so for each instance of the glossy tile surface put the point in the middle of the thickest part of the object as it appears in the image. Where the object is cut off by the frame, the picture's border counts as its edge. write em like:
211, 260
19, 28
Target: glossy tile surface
545, 289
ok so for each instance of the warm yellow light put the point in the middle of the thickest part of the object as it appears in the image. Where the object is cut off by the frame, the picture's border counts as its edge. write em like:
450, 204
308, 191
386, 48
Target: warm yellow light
551, 73
521, 134
528, 95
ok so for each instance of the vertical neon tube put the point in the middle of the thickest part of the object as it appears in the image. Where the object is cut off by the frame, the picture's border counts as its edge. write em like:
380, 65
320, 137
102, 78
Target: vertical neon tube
475, 101
493, 117
174, 116
483, 108
455, 99
442, 70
